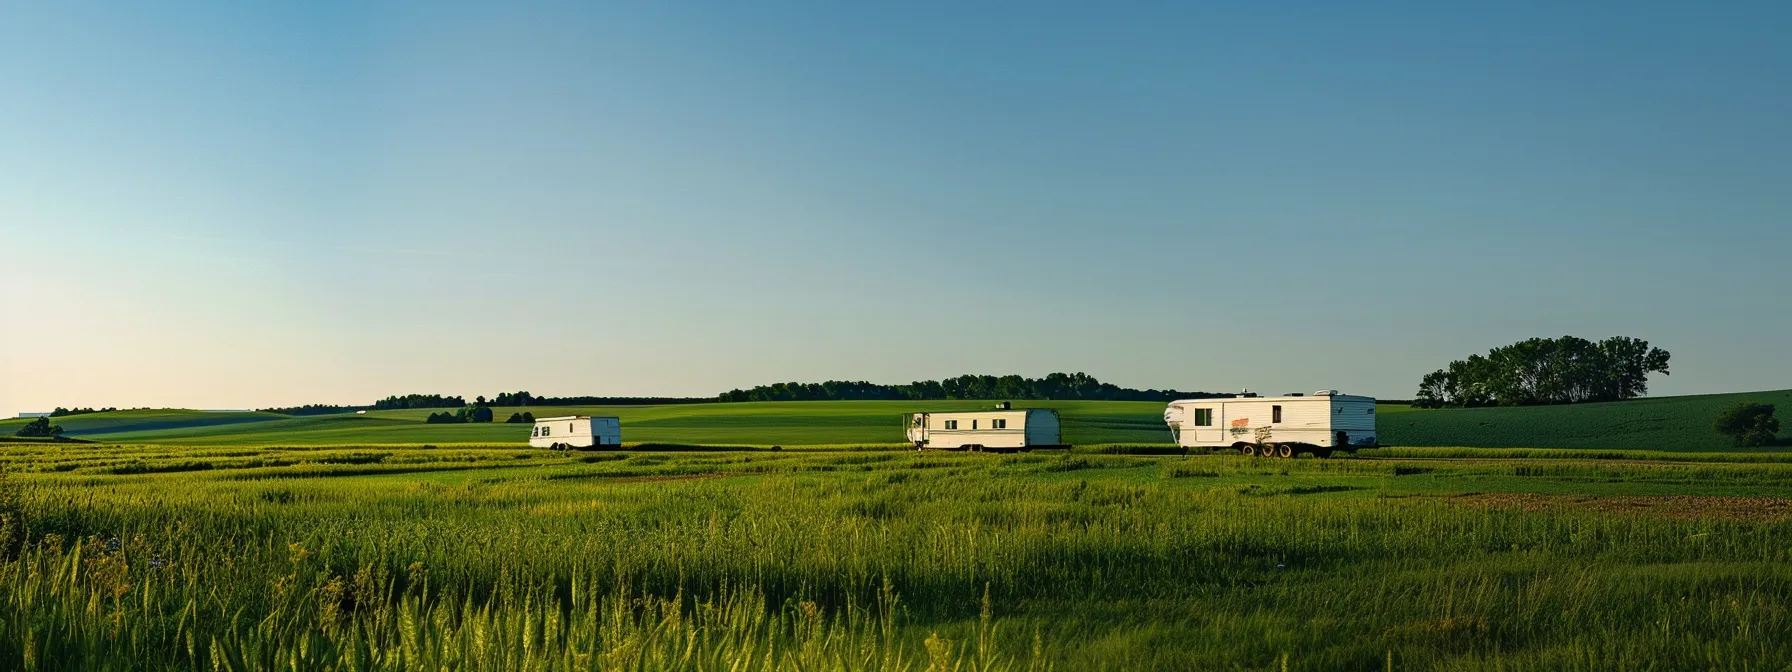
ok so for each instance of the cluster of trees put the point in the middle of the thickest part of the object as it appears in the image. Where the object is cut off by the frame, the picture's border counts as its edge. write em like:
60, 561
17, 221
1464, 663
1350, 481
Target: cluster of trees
1052, 386
40, 428
478, 411
419, 401
1749, 424
60, 411
1538, 371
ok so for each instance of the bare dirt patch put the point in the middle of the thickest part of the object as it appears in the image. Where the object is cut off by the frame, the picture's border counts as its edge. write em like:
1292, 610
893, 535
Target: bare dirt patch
1665, 506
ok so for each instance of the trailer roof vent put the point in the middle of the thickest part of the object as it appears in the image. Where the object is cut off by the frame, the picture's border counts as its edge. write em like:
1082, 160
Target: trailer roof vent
1325, 393
1294, 394
1002, 405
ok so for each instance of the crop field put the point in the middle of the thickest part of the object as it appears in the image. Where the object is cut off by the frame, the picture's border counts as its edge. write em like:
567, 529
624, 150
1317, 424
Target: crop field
1660, 424
501, 558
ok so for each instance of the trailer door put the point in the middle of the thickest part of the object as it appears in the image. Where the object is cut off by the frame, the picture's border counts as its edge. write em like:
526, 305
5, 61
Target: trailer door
917, 428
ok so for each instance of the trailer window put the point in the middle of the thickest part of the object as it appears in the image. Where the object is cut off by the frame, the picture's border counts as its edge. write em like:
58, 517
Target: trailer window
998, 423
544, 430
1275, 414
951, 424
1203, 417
973, 423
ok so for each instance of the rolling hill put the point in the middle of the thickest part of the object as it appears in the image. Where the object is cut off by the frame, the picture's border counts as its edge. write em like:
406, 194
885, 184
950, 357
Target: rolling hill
1665, 423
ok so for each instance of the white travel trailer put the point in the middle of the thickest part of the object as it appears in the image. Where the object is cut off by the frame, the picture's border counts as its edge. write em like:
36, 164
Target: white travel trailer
1275, 426
576, 431
1000, 429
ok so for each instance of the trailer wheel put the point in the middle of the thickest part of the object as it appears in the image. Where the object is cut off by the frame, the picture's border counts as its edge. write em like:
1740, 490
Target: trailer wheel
1248, 450
1285, 450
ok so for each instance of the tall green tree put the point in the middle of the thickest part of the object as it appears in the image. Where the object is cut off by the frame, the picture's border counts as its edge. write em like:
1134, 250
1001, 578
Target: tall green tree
1566, 370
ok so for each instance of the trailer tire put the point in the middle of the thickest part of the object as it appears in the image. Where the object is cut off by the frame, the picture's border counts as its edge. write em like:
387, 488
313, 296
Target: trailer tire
1285, 450
1248, 450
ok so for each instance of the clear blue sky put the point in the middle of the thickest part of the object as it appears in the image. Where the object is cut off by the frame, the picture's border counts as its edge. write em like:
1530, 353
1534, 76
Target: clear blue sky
248, 204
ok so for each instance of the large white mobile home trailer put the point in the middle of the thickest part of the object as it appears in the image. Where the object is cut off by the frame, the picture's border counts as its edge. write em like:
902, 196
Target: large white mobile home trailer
999, 429
576, 431
1275, 426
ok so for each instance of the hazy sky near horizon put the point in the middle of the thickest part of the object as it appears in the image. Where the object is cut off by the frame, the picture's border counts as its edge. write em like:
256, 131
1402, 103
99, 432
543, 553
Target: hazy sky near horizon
230, 205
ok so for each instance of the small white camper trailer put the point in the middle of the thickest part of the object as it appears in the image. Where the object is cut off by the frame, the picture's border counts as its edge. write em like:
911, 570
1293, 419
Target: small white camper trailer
576, 431
1000, 429
1275, 426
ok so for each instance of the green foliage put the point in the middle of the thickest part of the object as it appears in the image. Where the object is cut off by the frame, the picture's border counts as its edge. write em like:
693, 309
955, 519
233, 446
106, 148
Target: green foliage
442, 418
513, 399
39, 428
1564, 370
477, 413
1749, 424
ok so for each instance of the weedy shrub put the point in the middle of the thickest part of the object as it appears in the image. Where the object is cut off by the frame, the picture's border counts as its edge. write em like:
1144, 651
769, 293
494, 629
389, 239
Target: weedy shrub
1173, 470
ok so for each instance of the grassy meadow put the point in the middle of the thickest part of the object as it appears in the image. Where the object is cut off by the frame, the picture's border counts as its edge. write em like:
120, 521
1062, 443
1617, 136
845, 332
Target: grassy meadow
180, 558
1486, 539
1667, 423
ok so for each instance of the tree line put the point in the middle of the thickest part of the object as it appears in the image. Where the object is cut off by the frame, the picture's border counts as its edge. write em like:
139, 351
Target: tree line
60, 411
1566, 370
503, 399
1055, 386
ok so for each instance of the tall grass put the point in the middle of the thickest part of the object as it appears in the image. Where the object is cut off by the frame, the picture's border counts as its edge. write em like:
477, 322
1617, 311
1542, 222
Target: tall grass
883, 560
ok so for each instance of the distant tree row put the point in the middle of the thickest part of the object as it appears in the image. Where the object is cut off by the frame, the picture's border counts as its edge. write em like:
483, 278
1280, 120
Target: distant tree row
419, 401
513, 399
312, 409
521, 417
1538, 371
1052, 386
60, 411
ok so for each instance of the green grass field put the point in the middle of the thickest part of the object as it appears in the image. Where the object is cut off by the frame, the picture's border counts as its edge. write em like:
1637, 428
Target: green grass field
467, 558
1668, 423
